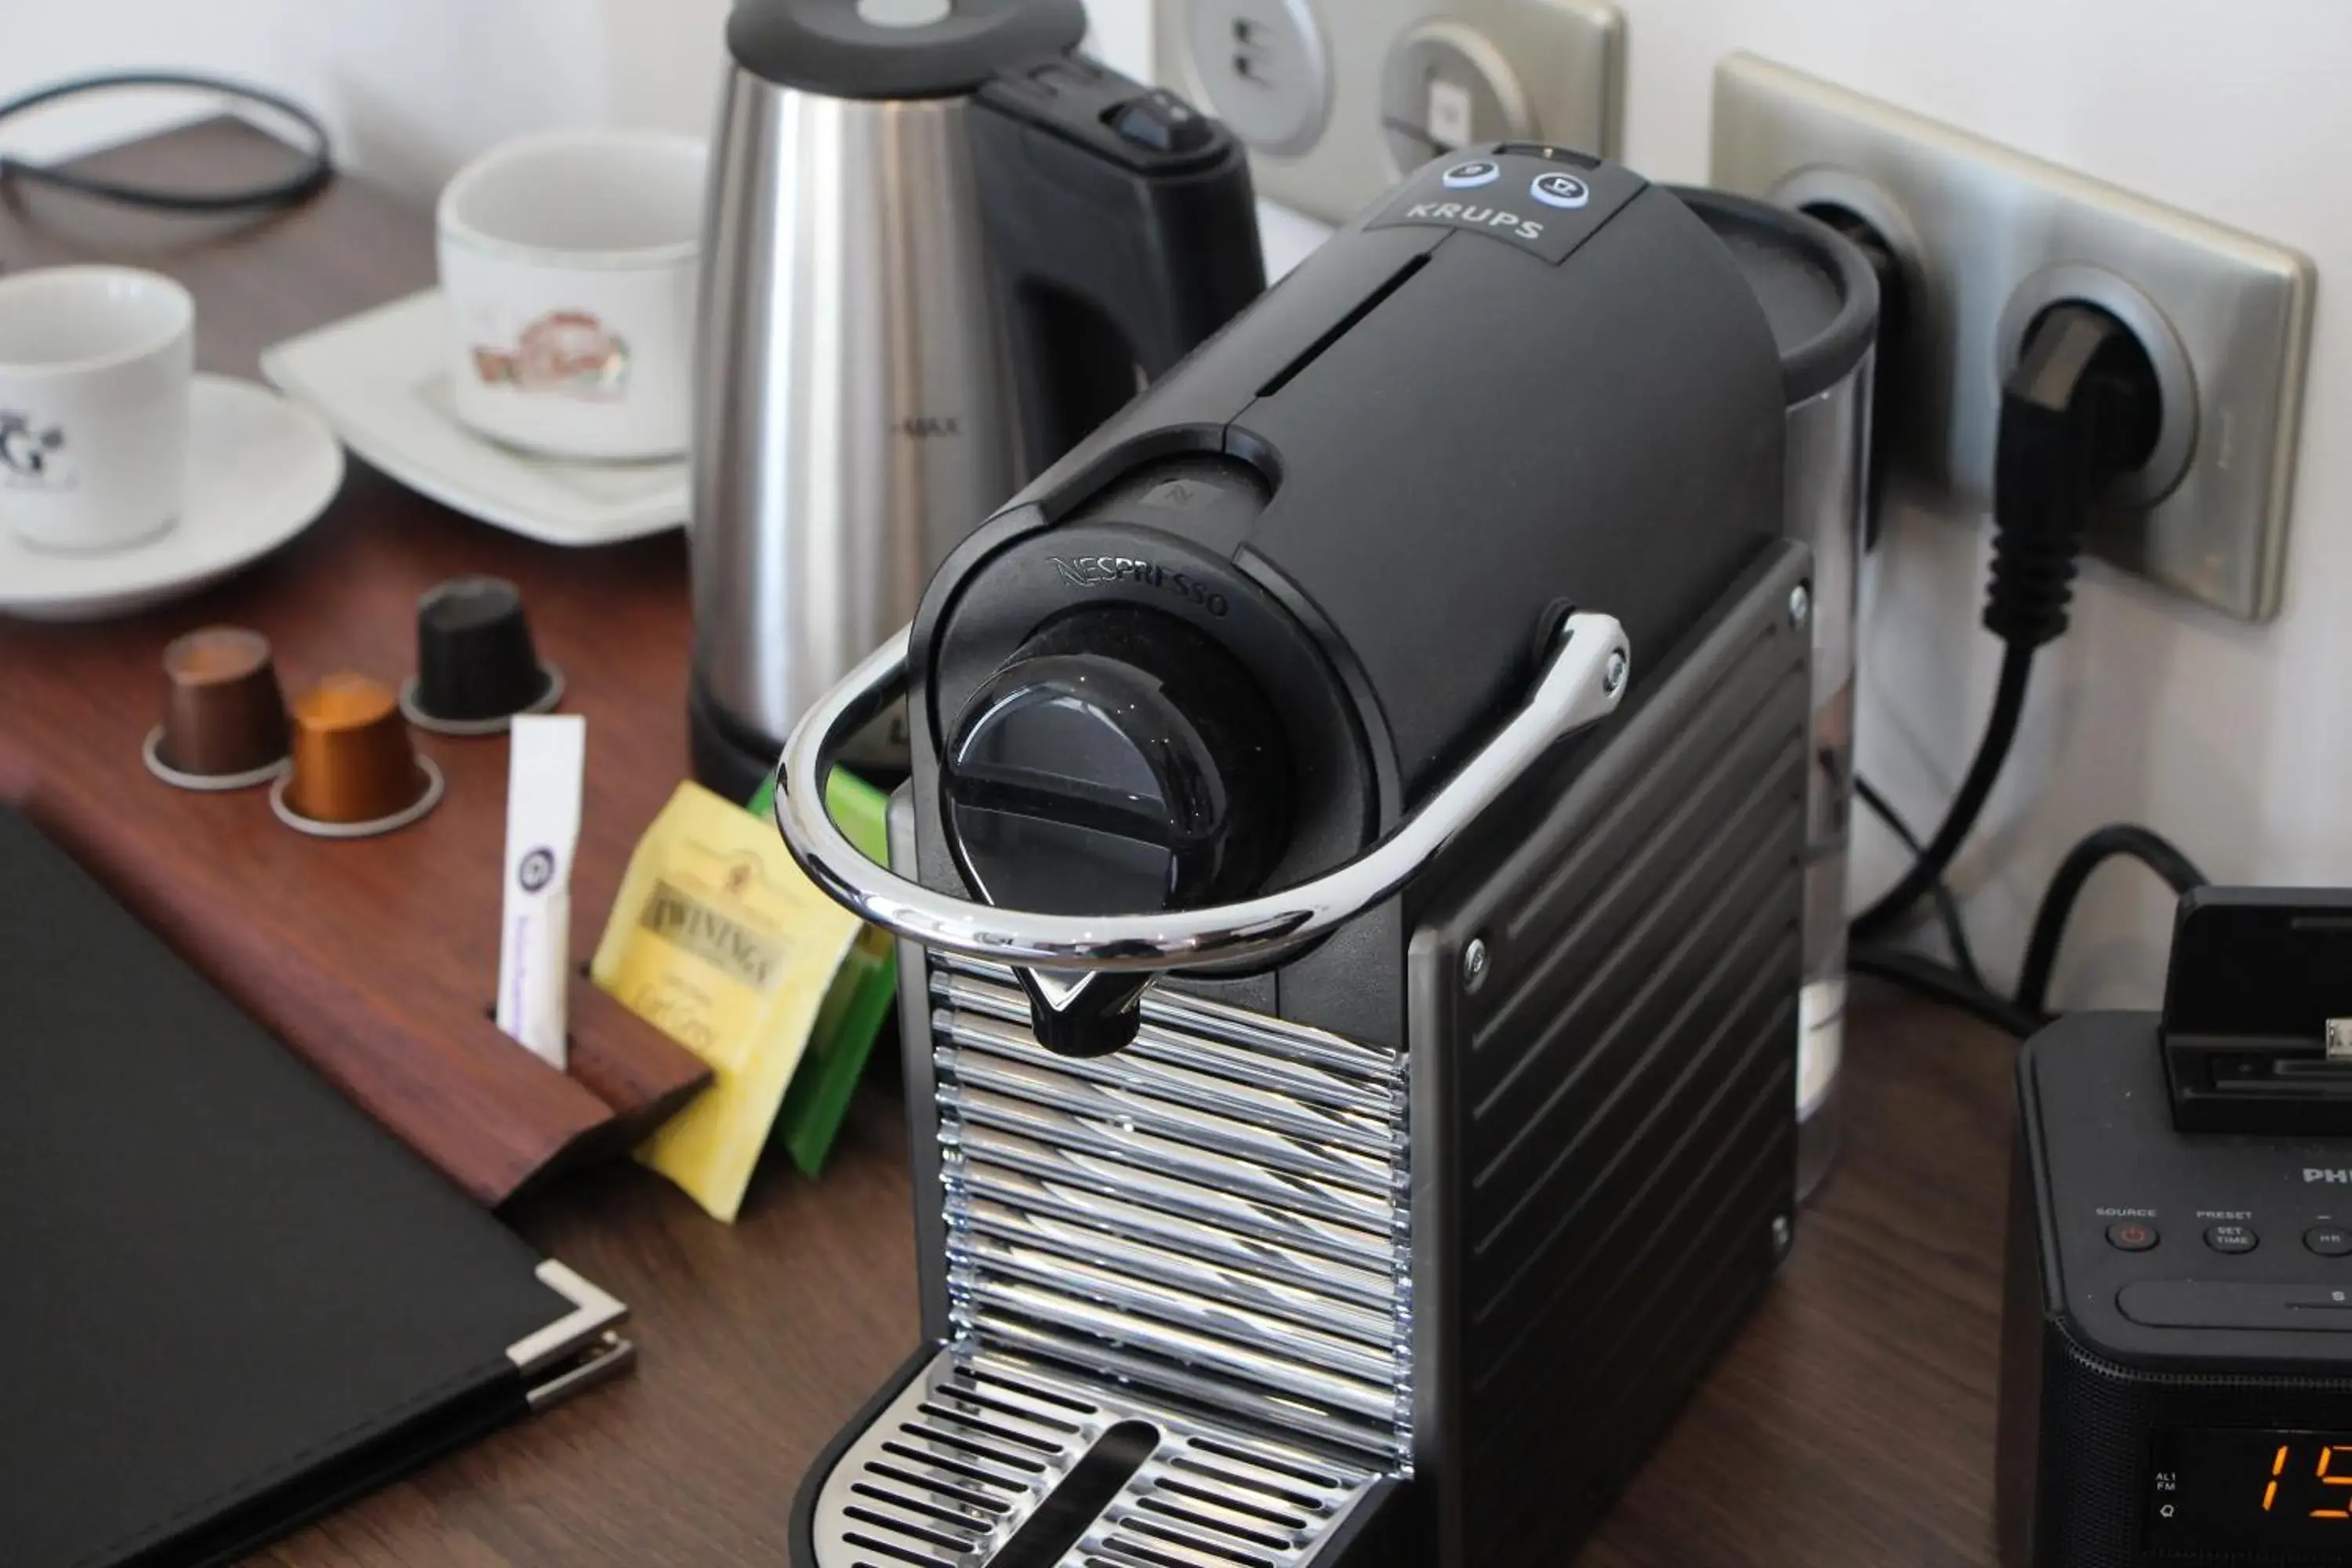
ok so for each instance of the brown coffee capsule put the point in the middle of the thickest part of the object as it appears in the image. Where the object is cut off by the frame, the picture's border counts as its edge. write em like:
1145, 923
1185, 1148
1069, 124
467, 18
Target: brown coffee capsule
355, 763
224, 714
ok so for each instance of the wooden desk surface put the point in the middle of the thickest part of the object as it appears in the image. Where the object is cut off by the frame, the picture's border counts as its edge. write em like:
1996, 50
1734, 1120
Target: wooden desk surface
376, 960
1852, 1423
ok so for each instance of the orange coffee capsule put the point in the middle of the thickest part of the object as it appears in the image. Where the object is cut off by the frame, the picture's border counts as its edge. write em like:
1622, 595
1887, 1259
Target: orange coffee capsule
353, 760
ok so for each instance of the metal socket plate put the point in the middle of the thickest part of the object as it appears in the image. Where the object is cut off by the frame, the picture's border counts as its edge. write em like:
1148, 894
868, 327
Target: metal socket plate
1559, 63
1261, 66
1987, 238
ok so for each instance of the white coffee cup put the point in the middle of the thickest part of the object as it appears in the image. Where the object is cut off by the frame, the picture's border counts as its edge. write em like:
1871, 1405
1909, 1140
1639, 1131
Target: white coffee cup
568, 261
96, 365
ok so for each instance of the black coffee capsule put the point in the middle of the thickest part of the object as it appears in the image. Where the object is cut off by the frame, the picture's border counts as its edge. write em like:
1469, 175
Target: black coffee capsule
475, 665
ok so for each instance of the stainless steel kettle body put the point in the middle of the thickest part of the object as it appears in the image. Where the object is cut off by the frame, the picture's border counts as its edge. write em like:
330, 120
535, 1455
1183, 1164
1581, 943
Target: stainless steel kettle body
856, 406
935, 256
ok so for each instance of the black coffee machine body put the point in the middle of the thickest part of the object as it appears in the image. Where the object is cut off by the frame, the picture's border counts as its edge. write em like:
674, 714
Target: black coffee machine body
1412, 672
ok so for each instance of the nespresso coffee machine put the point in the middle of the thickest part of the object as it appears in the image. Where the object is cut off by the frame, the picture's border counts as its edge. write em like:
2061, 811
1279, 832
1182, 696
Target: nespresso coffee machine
1352, 879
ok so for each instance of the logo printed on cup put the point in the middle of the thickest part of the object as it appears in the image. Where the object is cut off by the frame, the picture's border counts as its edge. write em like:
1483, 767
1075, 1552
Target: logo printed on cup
569, 353
31, 453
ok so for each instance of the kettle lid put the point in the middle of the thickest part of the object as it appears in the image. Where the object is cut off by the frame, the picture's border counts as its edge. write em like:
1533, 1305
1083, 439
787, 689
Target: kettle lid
897, 48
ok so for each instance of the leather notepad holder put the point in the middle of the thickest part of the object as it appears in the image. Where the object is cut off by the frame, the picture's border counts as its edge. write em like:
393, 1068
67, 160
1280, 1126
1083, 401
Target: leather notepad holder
228, 1299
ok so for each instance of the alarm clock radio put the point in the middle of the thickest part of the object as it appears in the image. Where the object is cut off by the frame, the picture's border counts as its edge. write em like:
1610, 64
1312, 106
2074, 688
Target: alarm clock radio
2177, 1339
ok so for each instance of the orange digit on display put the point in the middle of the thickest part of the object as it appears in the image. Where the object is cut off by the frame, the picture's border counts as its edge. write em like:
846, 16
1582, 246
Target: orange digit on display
2327, 1462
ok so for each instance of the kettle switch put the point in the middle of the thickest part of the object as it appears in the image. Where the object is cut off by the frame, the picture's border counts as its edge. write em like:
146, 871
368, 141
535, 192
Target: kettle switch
1161, 122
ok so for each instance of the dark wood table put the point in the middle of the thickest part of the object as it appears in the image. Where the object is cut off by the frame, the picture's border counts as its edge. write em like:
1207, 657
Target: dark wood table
374, 960
1852, 1423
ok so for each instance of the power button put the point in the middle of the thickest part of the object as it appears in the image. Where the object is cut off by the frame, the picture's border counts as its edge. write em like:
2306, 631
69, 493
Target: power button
1469, 176
2132, 1236
1558, 190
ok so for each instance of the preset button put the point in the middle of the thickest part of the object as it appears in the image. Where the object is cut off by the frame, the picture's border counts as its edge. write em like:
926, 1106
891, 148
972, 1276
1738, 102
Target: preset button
2231, 1237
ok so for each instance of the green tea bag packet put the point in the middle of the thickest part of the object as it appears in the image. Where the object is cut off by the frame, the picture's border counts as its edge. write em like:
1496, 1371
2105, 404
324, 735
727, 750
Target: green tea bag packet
859, 999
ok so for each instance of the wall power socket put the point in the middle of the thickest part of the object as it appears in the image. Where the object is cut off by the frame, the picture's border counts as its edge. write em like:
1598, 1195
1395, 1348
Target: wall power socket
1338, 100
1987, 238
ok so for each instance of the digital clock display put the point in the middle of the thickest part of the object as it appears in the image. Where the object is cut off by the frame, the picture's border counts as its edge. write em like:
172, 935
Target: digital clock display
2215, 1489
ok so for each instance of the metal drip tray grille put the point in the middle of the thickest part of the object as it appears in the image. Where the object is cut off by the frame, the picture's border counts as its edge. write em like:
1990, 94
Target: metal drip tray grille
955, 1473
1219, 1213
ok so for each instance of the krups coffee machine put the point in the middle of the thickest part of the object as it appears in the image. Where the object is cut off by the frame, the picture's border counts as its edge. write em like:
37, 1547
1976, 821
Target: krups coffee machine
1352, 879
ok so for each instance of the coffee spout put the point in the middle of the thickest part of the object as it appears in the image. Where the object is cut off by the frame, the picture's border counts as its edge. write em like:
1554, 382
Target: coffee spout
1089, 1014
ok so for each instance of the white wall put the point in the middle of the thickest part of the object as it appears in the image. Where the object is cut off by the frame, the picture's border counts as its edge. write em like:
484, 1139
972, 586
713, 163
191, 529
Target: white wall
2237, 741
410, 89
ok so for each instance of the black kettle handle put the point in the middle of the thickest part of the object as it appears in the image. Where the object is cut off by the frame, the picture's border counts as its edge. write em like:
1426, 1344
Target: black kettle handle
1124, 230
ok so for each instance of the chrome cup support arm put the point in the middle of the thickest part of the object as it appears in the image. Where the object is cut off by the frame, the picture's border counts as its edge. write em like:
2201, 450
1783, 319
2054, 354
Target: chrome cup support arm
1583, 684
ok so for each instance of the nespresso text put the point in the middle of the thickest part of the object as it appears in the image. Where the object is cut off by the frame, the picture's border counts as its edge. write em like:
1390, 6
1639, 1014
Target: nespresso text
1098, 570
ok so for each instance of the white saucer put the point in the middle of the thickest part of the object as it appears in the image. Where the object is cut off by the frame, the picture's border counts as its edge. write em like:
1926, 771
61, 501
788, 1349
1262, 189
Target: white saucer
260, 470
380, 380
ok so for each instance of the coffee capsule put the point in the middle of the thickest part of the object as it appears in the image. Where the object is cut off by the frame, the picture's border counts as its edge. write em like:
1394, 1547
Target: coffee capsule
475, 665
223, 716
356, 772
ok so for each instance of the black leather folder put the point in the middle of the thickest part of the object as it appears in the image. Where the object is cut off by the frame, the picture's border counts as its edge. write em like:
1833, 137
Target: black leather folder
228, 1301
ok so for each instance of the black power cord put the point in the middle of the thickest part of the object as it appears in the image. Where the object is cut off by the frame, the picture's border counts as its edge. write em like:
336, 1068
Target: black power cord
2081, 408
2029, 1010
1992, 755
1964, 988
1948, 908
317, 168
1939, 982
2152, 851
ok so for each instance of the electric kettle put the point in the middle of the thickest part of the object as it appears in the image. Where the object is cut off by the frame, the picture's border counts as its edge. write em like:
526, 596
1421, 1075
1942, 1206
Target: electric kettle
940, 247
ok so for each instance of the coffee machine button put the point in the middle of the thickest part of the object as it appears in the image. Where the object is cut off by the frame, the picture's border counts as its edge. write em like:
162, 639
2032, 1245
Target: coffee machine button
1472, 175
1561, 190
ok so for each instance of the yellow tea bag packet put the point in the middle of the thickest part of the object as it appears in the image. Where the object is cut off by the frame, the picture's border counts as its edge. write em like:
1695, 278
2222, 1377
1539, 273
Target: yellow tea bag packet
719, 942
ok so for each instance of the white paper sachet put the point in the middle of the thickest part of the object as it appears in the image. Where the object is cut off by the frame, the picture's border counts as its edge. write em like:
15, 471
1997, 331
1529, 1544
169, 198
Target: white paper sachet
543, 783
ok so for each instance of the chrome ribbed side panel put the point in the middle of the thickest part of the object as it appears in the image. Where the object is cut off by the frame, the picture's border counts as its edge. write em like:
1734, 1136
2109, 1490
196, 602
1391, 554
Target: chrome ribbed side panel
963, 1459
1220, 1212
